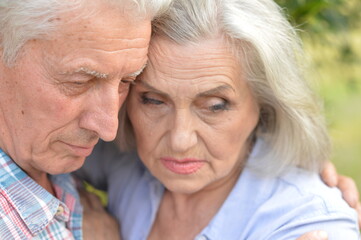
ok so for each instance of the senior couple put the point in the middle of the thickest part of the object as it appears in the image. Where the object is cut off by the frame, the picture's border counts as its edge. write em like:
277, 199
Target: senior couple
224, 138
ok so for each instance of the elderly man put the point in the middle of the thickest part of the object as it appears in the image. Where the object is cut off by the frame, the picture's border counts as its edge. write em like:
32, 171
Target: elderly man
64, 72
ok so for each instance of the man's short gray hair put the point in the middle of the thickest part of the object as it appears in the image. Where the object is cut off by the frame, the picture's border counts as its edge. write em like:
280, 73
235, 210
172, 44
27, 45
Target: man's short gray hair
271, 56
24, 20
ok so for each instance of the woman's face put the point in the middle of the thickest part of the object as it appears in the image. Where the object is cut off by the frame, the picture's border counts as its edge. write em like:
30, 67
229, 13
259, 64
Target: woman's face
192, 114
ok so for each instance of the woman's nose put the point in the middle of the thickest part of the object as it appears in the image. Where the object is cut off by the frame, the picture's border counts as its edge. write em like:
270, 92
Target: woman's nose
183, 134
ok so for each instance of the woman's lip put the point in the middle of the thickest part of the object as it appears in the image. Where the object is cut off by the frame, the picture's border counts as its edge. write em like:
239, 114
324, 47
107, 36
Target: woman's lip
182, 166
184, 160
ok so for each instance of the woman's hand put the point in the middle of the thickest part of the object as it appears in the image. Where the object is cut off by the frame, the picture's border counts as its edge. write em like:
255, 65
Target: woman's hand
98, 224
345, 184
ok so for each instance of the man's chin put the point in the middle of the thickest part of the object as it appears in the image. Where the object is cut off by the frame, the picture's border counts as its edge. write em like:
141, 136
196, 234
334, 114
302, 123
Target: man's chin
72, 165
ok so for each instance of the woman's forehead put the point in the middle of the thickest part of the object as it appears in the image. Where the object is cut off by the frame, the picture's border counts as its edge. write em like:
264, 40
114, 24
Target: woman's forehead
206, 48
207, 59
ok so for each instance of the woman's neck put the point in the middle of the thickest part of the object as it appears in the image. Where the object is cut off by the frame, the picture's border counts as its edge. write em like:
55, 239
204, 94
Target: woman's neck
183, 216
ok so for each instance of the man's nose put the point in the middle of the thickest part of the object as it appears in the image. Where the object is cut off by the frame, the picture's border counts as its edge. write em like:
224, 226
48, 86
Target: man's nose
101, 116
183, 134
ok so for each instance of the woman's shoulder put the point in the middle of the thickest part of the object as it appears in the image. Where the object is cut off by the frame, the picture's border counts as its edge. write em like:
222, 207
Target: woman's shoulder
300, 186
304, 183
296, 202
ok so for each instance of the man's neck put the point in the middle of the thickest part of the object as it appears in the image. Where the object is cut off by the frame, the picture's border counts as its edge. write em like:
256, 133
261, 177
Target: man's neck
44, 181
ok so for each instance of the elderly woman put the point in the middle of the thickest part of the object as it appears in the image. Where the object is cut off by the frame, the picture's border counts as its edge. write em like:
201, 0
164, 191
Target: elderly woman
229, 136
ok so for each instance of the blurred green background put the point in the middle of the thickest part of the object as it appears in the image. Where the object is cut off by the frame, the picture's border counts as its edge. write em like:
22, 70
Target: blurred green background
331, 31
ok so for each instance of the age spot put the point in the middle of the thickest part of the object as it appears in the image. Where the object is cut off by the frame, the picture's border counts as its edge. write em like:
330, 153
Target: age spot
54, 19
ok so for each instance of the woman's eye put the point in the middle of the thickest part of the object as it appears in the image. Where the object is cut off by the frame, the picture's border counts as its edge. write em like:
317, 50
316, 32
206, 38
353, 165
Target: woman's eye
150, 100
219, 107
216, 104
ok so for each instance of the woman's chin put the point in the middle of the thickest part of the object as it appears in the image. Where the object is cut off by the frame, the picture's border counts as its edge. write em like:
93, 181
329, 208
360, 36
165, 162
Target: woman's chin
182, 187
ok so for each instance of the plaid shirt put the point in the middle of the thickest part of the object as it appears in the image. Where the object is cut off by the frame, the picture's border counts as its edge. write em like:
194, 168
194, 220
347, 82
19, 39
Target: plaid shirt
28, 211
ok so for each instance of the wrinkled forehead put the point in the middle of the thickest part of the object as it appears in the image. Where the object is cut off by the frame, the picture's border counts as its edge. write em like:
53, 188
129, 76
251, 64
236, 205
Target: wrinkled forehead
96, 30
107, 44
207, 58
90, 11
86, 9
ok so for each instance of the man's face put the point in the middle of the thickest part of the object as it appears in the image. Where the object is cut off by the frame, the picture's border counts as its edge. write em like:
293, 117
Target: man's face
63, 94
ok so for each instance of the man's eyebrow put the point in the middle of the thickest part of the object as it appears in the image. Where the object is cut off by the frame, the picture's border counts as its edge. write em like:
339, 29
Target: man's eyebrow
136, 73
91, 72
97, 74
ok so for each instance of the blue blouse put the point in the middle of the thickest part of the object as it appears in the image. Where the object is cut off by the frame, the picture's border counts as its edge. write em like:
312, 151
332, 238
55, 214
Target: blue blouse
258, 207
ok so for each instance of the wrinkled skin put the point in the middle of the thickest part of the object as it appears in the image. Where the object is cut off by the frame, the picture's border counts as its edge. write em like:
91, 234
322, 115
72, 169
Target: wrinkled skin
64, 93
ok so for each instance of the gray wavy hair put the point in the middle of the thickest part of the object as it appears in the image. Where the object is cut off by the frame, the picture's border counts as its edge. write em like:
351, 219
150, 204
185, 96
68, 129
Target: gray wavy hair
270, 52
24, 20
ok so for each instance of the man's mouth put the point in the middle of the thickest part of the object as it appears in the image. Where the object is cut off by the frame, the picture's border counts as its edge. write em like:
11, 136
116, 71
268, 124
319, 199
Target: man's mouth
80, 150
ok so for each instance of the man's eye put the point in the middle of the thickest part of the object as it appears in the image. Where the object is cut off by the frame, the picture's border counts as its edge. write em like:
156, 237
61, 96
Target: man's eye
73, 88
124, 85
148, 100
79, 84
126, 81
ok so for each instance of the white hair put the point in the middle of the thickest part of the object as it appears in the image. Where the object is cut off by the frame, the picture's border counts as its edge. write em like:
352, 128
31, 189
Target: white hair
270, 54
24, 20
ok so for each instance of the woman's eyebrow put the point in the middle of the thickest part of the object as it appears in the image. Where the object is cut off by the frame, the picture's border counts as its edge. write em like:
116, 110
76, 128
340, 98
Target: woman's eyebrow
213, 91
150, 87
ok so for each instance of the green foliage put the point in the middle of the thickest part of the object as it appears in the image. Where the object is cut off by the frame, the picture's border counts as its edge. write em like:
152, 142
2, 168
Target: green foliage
331, 30
322, 15
338, 76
